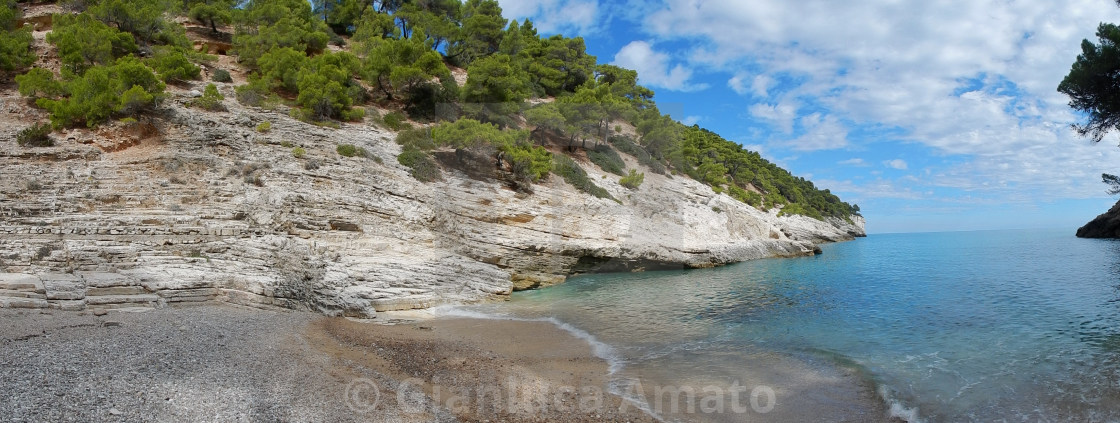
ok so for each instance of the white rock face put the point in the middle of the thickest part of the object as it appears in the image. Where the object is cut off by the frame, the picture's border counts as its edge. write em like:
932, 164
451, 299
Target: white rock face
199, 207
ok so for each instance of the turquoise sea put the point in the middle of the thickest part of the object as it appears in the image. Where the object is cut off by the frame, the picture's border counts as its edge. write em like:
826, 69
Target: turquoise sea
942, 327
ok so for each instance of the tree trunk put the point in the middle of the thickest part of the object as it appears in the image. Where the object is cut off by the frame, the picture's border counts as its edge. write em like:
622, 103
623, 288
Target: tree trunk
382, 87
605, 130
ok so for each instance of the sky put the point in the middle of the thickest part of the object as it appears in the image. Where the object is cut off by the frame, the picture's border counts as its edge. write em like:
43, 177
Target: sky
932, 116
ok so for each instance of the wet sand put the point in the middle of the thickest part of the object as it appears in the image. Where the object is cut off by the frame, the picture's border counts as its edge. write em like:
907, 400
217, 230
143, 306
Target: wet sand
484, 370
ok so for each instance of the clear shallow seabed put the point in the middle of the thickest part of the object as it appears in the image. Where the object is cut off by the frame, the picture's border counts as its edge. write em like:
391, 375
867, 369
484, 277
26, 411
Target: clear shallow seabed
963, 326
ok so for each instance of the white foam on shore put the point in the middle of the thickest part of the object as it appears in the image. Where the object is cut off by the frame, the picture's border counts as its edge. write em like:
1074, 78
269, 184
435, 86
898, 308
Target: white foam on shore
598, 348
897, 409
605, 351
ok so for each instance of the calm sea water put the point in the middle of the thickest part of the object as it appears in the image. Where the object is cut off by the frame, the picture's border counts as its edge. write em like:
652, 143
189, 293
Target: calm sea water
970, 326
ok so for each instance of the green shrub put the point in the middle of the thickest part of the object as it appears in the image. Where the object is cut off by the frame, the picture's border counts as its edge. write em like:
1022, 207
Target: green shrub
256, 93
420, 139
421, 165
467, 133
282, 68
266, 25
83, 41
124, 89
37, 135
221, 75
134, 100
571, 172
210, 15
38, 83
299, 152
607, 159
774, 199
325, 86
211, 99
354, 114
629, 147
396, 121
142, 18
15, 43
749, 197
633, 180
171, 64
308, 116
351, 150
286, 144
527, 162
798, 209
496, 85
264, 127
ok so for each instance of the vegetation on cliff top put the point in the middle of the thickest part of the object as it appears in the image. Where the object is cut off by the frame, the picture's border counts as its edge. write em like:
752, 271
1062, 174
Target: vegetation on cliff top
400, 55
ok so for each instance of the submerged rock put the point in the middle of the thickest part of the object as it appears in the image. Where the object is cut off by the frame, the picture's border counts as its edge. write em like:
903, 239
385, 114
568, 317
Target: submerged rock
1106, 225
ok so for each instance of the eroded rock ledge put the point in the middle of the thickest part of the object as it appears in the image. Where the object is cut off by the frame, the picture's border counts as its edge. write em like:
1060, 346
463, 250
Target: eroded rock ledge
199, 207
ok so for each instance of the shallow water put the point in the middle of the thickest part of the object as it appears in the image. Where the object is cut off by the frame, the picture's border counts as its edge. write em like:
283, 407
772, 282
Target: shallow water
967, 326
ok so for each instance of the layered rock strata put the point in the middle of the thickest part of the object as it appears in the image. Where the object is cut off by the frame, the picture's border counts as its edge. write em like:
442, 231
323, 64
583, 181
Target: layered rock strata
195, 207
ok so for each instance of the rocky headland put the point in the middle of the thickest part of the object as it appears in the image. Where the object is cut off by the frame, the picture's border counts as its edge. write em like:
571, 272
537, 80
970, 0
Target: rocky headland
1106, 225
196, 206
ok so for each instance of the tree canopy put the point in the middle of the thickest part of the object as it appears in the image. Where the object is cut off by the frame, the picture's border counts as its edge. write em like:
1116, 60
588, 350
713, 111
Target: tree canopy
15, 43
1093, 83
523, 93
1093, 86
125, 88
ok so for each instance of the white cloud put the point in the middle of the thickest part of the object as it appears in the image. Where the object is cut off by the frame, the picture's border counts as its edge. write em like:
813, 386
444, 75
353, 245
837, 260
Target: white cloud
780, 115
896, 164
759, 85
857, 162
654, 67
737, 84
757, 148
691, 120
573, 17
879, 188
969, 79
821, 133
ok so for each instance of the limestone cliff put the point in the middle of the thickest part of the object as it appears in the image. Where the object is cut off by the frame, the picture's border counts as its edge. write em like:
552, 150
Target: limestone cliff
1106, 225
197, 206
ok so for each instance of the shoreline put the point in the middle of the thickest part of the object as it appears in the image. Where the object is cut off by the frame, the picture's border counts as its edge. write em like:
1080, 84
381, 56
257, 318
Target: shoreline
484, 369
220, 363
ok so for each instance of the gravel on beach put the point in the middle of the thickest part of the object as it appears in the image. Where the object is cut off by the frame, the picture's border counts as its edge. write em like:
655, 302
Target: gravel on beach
209, 363
219, 363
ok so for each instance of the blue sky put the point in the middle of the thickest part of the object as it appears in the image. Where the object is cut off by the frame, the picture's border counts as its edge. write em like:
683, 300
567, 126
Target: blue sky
932, 116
